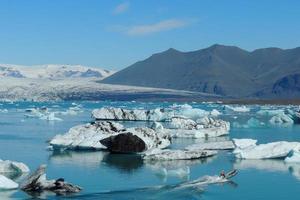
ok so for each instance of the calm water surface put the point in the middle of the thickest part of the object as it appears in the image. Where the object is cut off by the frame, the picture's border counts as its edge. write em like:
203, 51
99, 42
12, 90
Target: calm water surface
114, 176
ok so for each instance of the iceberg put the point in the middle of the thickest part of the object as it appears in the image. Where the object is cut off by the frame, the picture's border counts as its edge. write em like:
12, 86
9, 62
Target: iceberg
86, 136
112, 136
203, 128
158, 114
215, 113
111, 113
251, 123
247, 149
237, 108
7, 166
221, 145
37, 182
50, 117
281, 119
265, 112
168, 154
7, 184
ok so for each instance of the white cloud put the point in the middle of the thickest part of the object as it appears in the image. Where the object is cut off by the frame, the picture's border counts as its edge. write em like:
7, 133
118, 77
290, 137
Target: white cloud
160, 26
121, 8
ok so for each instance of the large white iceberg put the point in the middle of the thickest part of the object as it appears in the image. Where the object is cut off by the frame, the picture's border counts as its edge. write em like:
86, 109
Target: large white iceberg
168, 154
7, 184
249, 150
86, 136
7, 166
203, 128
112, 136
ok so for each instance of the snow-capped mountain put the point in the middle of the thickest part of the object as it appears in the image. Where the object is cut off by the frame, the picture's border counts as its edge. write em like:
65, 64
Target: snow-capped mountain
52, 71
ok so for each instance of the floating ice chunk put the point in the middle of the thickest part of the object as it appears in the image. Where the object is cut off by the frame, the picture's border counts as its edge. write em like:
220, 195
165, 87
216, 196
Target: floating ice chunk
281, 119
203, 128
111, 113
237, 108
182, 123
215, 113
111, 136
294, 158
86, 136
7, 166
190, 112
50, 117
222, 145
266, 112
7, 184
167, 154
251, 123
264, 151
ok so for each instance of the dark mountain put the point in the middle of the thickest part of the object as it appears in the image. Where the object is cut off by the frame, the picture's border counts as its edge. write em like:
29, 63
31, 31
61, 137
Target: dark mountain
223, 70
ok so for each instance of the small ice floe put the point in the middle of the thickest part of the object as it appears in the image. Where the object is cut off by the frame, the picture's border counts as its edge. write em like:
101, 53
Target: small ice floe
112, 136
188, 111
168, 154
37, 182
266, 112
202, 128
7, 184
221, 145
282, 120
251, 123
247, 149
215, 113
7, 166
236, 108
50, 117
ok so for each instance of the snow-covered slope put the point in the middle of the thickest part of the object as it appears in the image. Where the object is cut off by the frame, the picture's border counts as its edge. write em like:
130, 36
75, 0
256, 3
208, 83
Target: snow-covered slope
80, 89
52, 71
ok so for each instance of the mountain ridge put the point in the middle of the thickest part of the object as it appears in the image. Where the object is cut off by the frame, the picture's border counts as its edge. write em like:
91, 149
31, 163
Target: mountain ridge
218, 69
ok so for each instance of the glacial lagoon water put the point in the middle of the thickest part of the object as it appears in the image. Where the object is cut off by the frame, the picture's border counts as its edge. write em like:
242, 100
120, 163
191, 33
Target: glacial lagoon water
117, 176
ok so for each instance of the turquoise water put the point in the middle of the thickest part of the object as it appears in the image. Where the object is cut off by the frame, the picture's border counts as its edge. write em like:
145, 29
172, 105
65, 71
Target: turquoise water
114, 176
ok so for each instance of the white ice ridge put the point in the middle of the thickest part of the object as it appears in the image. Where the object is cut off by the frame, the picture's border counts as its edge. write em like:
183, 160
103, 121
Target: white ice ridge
110, 135
7, 184
247, 149
158, 114
168, 154
237, 108
203, 128
7, 166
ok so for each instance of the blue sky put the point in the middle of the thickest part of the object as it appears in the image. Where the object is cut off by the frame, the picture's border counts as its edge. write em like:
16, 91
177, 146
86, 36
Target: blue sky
114, 34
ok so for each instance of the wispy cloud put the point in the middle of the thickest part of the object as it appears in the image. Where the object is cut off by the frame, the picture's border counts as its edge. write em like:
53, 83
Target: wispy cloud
164, 25
121, 8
